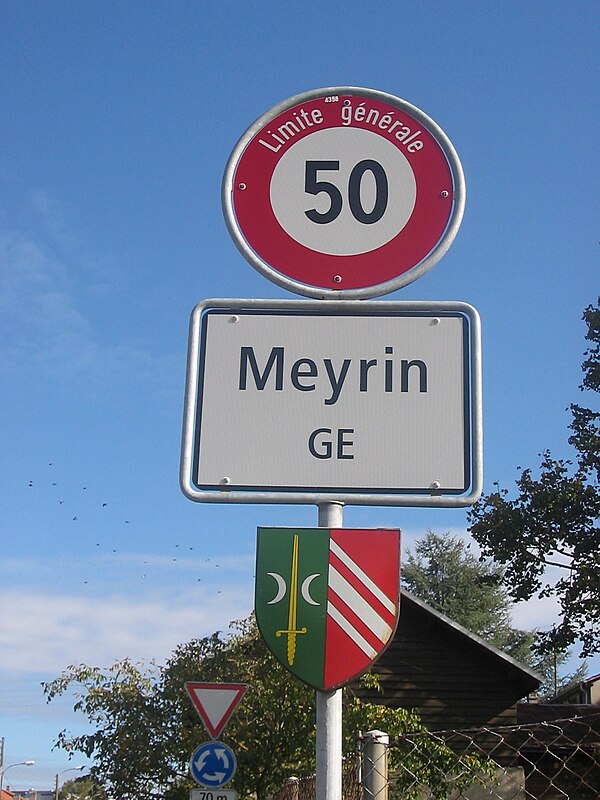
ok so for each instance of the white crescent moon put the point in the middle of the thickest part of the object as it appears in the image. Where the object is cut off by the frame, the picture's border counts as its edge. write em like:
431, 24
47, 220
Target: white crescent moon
281, 588
306, 589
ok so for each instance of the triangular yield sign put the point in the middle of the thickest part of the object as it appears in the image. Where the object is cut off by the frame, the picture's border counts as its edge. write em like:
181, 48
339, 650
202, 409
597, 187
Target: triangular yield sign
215, 703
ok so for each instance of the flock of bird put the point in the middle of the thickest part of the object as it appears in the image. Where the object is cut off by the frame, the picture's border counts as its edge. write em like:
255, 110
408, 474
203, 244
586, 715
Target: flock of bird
104, 505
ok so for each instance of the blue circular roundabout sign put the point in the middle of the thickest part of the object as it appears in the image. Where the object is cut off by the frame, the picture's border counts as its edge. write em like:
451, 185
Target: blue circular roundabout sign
213, 764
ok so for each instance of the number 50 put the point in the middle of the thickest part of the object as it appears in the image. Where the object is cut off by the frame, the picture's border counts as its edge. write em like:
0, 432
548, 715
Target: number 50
314, 186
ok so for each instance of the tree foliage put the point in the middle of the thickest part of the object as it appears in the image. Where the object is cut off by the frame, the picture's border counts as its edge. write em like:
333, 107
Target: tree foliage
443, 572
547, 537
82, 788
145, 728
119, 703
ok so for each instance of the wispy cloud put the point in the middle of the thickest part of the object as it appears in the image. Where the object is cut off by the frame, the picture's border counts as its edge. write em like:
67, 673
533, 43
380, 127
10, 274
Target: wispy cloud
539, 613
48, 286
34, 302
44, 632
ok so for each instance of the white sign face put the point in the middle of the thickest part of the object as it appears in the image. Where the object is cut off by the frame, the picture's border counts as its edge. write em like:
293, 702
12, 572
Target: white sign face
293, 399
368, 187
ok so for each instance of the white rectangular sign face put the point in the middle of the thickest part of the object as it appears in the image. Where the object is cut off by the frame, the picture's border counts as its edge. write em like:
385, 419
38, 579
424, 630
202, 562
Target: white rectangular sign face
336, 401
213, 794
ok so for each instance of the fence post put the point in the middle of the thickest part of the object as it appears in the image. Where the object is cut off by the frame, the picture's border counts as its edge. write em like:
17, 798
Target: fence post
292, 786
375, 765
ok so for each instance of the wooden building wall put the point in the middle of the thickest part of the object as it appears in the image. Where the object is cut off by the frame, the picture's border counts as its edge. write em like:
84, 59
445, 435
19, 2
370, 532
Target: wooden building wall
451, 677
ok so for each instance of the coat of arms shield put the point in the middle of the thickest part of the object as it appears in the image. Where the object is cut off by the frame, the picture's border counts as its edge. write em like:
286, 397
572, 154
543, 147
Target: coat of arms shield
327, 600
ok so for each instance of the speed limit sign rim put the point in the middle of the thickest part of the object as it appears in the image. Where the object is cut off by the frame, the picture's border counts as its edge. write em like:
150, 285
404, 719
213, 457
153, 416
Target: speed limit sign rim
327, 272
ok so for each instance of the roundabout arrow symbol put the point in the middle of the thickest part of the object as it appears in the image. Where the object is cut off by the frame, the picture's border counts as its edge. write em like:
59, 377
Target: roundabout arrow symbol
201, 761
216, 776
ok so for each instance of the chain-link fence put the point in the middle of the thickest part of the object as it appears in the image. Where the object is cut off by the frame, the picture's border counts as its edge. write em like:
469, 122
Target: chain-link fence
551, 760
305, 788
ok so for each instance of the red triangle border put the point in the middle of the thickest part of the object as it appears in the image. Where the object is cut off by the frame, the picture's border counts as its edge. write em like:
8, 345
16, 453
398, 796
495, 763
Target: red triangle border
215, 730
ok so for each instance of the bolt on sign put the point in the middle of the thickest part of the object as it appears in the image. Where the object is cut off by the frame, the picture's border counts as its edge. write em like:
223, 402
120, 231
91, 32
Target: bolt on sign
327, 601
343, 192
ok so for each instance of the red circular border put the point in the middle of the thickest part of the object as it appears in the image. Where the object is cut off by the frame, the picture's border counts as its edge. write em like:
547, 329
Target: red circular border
264, 234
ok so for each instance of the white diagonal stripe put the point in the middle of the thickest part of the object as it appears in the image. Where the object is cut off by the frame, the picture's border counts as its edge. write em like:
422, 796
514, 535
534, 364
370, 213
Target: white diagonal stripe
351, 631
359, 605
362, 576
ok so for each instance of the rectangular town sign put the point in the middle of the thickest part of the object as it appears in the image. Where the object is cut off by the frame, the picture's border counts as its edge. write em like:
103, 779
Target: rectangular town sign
370, 403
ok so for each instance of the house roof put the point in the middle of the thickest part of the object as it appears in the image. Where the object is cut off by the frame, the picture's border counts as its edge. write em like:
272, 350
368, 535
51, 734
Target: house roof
582, 687
452, 676
529, 713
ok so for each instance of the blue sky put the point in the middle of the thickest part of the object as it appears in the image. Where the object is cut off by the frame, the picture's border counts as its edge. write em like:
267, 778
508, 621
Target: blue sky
117, 122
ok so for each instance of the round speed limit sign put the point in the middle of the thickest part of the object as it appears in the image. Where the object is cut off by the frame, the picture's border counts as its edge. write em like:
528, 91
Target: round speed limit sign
343, 192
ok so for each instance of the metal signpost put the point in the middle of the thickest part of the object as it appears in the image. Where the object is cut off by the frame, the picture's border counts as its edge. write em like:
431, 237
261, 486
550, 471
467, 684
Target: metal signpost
337, 194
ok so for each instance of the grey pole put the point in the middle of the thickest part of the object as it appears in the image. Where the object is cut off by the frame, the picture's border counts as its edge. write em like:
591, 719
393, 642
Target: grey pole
375, 765
329, 704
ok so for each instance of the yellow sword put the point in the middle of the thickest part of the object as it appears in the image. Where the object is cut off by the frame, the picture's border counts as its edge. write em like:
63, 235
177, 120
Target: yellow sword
292, 630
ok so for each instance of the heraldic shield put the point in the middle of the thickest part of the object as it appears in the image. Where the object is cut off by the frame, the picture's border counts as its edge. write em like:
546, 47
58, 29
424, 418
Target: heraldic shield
327, 601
